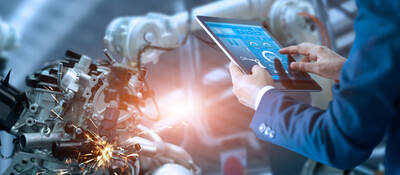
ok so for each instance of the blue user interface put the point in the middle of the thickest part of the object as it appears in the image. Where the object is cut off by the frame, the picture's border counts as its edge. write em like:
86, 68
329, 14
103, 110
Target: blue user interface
251, 45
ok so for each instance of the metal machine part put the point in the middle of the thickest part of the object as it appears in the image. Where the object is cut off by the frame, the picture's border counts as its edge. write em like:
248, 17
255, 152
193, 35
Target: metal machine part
25, 162
287, 25
152, 145
11, 104
76, 116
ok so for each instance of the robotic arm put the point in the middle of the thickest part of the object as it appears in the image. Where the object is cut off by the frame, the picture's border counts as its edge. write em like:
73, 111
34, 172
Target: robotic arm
129, 36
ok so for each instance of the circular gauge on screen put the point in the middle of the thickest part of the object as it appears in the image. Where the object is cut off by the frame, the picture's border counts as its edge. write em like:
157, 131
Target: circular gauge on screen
270, 56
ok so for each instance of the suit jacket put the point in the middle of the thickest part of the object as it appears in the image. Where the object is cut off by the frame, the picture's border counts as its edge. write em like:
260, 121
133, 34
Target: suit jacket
365, 106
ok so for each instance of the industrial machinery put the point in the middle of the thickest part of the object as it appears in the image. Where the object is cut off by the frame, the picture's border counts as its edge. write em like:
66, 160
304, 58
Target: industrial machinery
79, 116
83, 117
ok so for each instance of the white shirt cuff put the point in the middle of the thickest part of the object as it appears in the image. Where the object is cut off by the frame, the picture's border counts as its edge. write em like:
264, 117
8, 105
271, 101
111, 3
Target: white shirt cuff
261, 94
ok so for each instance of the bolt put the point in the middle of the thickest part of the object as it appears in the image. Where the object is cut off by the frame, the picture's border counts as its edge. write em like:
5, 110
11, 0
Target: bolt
149, 37
78, 130
46, 131
33, 107
81, 165
30, 121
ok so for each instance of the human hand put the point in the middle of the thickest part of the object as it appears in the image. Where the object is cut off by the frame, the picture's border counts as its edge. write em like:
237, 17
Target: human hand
246, 87
317, 59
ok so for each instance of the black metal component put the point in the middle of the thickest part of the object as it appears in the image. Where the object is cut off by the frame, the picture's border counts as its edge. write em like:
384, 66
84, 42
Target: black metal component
72, 54
3, 64
11, 104
70, 149
68, 62
45, 79
118, 87
7, 79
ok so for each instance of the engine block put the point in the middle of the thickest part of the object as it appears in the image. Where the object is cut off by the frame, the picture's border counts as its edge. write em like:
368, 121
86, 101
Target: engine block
80, 116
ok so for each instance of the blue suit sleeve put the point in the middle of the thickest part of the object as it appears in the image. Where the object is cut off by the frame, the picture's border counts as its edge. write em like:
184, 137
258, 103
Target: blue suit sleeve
356, 120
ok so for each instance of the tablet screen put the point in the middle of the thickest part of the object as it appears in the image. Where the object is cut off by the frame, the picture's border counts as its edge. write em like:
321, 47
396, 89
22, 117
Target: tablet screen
251, 45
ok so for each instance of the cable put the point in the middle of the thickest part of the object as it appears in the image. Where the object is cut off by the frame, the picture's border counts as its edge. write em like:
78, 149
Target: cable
154, 100
149, 46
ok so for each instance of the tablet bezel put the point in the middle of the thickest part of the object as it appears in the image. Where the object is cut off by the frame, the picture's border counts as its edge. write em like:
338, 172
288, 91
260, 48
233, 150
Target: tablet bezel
284, 85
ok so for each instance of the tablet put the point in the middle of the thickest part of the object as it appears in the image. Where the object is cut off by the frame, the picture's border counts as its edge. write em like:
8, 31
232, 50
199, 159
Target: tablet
247, 43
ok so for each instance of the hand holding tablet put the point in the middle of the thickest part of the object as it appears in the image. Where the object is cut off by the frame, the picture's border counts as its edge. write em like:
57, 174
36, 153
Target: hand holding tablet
247, 43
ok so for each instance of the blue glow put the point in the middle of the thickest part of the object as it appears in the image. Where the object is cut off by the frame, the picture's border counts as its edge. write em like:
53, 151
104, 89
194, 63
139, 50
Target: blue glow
250, 42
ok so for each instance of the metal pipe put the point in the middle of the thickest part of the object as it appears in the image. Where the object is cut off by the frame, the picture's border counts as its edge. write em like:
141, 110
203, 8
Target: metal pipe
150, 134
38, 140
147, 147
68, 149
171, 151
59, 74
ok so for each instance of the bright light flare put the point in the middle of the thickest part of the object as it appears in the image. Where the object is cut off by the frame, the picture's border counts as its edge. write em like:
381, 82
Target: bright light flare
102, 153
177, 107
105, 154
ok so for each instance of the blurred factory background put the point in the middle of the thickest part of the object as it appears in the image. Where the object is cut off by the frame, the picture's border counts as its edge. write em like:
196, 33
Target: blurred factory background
192, 83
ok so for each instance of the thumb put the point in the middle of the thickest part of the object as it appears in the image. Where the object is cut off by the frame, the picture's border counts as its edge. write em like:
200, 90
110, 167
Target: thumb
258, 70
303, 67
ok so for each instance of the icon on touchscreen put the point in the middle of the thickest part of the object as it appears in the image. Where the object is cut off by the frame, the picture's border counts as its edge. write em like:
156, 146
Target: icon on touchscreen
269, 56
267, 45
253, 44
